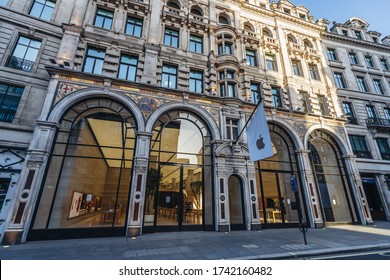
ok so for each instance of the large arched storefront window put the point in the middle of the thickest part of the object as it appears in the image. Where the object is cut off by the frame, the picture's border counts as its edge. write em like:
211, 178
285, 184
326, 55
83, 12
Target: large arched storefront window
331, 178
279, 206
86, 189
179, 185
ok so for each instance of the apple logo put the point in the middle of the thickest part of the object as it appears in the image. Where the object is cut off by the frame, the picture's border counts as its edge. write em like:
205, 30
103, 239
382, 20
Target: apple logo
260, 143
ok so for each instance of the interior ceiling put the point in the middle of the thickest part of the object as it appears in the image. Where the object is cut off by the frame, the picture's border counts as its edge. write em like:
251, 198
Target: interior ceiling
108, 133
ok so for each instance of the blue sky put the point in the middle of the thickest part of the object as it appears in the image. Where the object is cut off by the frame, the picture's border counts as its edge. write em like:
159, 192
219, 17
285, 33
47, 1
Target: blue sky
375, 12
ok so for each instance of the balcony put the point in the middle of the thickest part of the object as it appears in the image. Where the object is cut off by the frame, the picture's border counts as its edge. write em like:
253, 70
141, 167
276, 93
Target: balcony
20, 64
270, 44
195, 20
250, 37
173, 15
312, 54
295, 49
378, 124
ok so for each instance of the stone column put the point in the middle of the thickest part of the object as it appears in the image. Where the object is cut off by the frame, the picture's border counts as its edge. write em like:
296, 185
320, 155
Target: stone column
253, 201
150, 64
78, 13
31, 178
221, 195
138, 184
310, 194
68, 46
363, 210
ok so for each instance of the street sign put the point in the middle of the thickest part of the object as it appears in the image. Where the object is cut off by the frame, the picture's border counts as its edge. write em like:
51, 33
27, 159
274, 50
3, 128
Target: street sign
293, 182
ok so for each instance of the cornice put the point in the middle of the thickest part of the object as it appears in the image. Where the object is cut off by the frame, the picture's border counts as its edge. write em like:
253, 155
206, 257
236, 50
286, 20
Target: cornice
356, 42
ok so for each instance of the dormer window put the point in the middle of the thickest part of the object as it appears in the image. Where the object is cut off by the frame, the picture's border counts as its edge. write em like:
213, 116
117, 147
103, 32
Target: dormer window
287, 11
302, 16
196, 11
358, 35
375, 39
345, 32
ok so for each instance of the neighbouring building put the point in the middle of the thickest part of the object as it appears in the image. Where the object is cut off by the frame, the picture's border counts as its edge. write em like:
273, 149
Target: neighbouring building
123, 117
360, 65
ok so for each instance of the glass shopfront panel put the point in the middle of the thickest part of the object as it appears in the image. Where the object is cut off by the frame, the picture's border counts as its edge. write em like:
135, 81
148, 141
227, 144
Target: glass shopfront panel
179, 186
278, 204
88, 180
331, 181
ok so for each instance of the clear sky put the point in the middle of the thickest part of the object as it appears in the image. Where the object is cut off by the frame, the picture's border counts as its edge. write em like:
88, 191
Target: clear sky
374, 12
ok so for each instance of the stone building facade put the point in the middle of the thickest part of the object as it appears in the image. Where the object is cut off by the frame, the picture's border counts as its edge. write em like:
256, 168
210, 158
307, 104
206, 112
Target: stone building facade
130, 113
359, 62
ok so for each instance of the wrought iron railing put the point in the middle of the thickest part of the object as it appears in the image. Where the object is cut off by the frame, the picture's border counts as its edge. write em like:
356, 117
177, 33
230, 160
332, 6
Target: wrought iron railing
378, 123
20, 64
7, 115
363, 154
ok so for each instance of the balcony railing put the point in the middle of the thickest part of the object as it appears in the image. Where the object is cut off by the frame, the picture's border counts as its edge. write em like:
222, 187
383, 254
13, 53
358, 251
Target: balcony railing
352, 120
363, 154
377, 123
385, 156
21, 64
7, 115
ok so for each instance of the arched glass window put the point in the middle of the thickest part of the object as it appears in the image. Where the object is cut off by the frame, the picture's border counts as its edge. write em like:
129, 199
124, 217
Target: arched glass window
88, 180
225, 44
267, 32
173, 5
331, 178
179, 184
196, 11
227, 83
278, 205
223, 19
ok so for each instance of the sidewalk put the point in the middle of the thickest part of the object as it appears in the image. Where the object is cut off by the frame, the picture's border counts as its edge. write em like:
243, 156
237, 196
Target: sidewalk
266, 244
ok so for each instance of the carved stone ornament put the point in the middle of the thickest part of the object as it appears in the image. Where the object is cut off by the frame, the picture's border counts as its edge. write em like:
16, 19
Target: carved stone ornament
65, 89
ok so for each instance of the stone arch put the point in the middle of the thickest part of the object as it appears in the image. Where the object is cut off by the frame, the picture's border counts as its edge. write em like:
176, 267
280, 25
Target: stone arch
224, 19
196, 10
292, 38
267, 32
290, 130
200, 112
69, 101
249, 26
342, 144
174, 4
308, 43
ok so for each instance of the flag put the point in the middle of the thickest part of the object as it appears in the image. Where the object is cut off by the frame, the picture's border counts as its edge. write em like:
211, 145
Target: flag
259, 139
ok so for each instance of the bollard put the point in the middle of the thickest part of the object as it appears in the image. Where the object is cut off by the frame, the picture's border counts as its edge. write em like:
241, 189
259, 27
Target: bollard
303, 228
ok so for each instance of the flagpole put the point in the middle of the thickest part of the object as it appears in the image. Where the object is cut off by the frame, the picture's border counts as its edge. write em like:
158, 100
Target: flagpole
250, 117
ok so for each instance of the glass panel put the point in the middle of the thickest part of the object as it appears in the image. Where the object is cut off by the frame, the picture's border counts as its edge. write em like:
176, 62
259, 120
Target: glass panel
192, 195
272, 203
169, 195
329, 182
235, 201
287, 198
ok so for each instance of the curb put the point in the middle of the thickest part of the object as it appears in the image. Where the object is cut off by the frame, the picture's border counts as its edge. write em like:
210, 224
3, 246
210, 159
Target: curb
319, 252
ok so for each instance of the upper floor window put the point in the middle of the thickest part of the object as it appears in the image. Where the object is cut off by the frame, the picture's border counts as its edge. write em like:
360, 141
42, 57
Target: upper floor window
43, 9
305, 99
227, 83
384, 64
313, 70
297, 68
332, 54
196, 81
371, 112
225, 44
134, 26
387, 113
173, 5
375, 39
276, 97
361, 83
128, 67
378, 86
169, 76
231, 129
25, 53
223, 20
339, 79
196, 11
359, 146
255, 92
384, 148
9, 101
251, 57
270, 62
369, 61
94, 61
353, 58
358, 35
104, 18
348, 111
171, 37
196, 44
322, 104
345, 32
